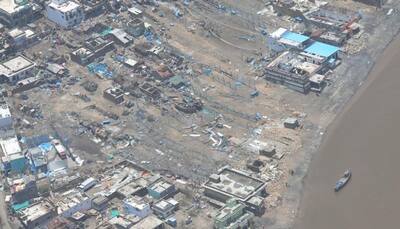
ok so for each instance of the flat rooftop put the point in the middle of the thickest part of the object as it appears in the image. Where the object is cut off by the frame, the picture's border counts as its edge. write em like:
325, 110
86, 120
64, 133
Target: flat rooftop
15, 65
136, 203
160, 185
10, 146
66, 6
35, 211
11, 6
149, 222
235, 183
70, 199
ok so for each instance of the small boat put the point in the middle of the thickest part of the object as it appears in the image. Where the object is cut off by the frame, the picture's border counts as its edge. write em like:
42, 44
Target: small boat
343, 180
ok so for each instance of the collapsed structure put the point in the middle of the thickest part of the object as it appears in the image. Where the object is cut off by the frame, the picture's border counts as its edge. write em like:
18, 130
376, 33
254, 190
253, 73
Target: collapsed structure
230, 183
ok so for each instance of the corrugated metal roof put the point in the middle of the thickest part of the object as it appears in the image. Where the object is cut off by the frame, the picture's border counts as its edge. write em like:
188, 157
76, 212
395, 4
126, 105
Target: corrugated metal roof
294, 37
322, 49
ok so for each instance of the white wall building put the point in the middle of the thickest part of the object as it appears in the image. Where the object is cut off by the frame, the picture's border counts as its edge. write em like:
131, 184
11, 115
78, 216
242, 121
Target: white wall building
16, 69
5, 116
65, 13
137, 207
73, 201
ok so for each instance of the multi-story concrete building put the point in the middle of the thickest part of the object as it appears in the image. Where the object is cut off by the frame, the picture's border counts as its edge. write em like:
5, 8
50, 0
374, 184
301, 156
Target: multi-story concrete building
233, 215
5, 116
137, 207
16, 69
13, 13
65, 13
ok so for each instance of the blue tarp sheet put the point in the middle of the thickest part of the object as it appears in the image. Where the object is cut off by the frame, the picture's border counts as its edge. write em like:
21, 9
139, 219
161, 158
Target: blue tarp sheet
35, 140
101, 69
46, 147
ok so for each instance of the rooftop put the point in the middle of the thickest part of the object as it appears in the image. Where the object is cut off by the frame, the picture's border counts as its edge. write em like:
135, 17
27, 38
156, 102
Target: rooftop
163, 205
160, 185
10, 146
15, 65
235, 183
35, 211
12, 6
321, 49
149, 222
16, 33
64, 6
136, 203
70, 199
290, 38
294, 37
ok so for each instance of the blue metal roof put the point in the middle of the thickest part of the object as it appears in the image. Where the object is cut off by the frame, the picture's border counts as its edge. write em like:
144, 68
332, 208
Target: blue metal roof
294, 37
322, 49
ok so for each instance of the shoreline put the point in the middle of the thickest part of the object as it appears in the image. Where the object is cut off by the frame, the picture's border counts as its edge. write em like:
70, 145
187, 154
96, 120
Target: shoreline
335, 126
286, 215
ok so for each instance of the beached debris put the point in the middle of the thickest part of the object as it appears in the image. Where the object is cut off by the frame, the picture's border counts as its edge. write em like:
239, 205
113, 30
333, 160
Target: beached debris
291, 123
89, 86
189, 105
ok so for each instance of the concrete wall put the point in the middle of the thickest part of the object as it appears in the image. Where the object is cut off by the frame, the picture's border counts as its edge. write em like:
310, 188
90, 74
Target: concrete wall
6, 122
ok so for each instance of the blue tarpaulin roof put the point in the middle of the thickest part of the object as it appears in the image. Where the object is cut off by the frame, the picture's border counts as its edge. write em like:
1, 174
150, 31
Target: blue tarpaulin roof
294, 37
322, 49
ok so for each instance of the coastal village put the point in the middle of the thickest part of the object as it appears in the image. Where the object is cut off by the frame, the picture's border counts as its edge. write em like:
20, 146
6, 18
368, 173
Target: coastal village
155, 114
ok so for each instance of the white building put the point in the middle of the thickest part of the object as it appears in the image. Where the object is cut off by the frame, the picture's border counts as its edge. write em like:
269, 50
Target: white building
14, 13
5, 116
12, 157
16, 69
65, 13
137, 207
71, 202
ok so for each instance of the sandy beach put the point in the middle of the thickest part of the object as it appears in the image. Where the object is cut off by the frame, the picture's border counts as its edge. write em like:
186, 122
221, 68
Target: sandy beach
364, 138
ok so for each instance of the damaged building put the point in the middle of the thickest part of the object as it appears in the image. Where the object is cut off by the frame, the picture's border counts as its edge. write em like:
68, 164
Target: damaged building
300, 70
93, 48
377, 3
232, 215
115, 95
291, 70
135, 27
93, 8
230, 183
333, 18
